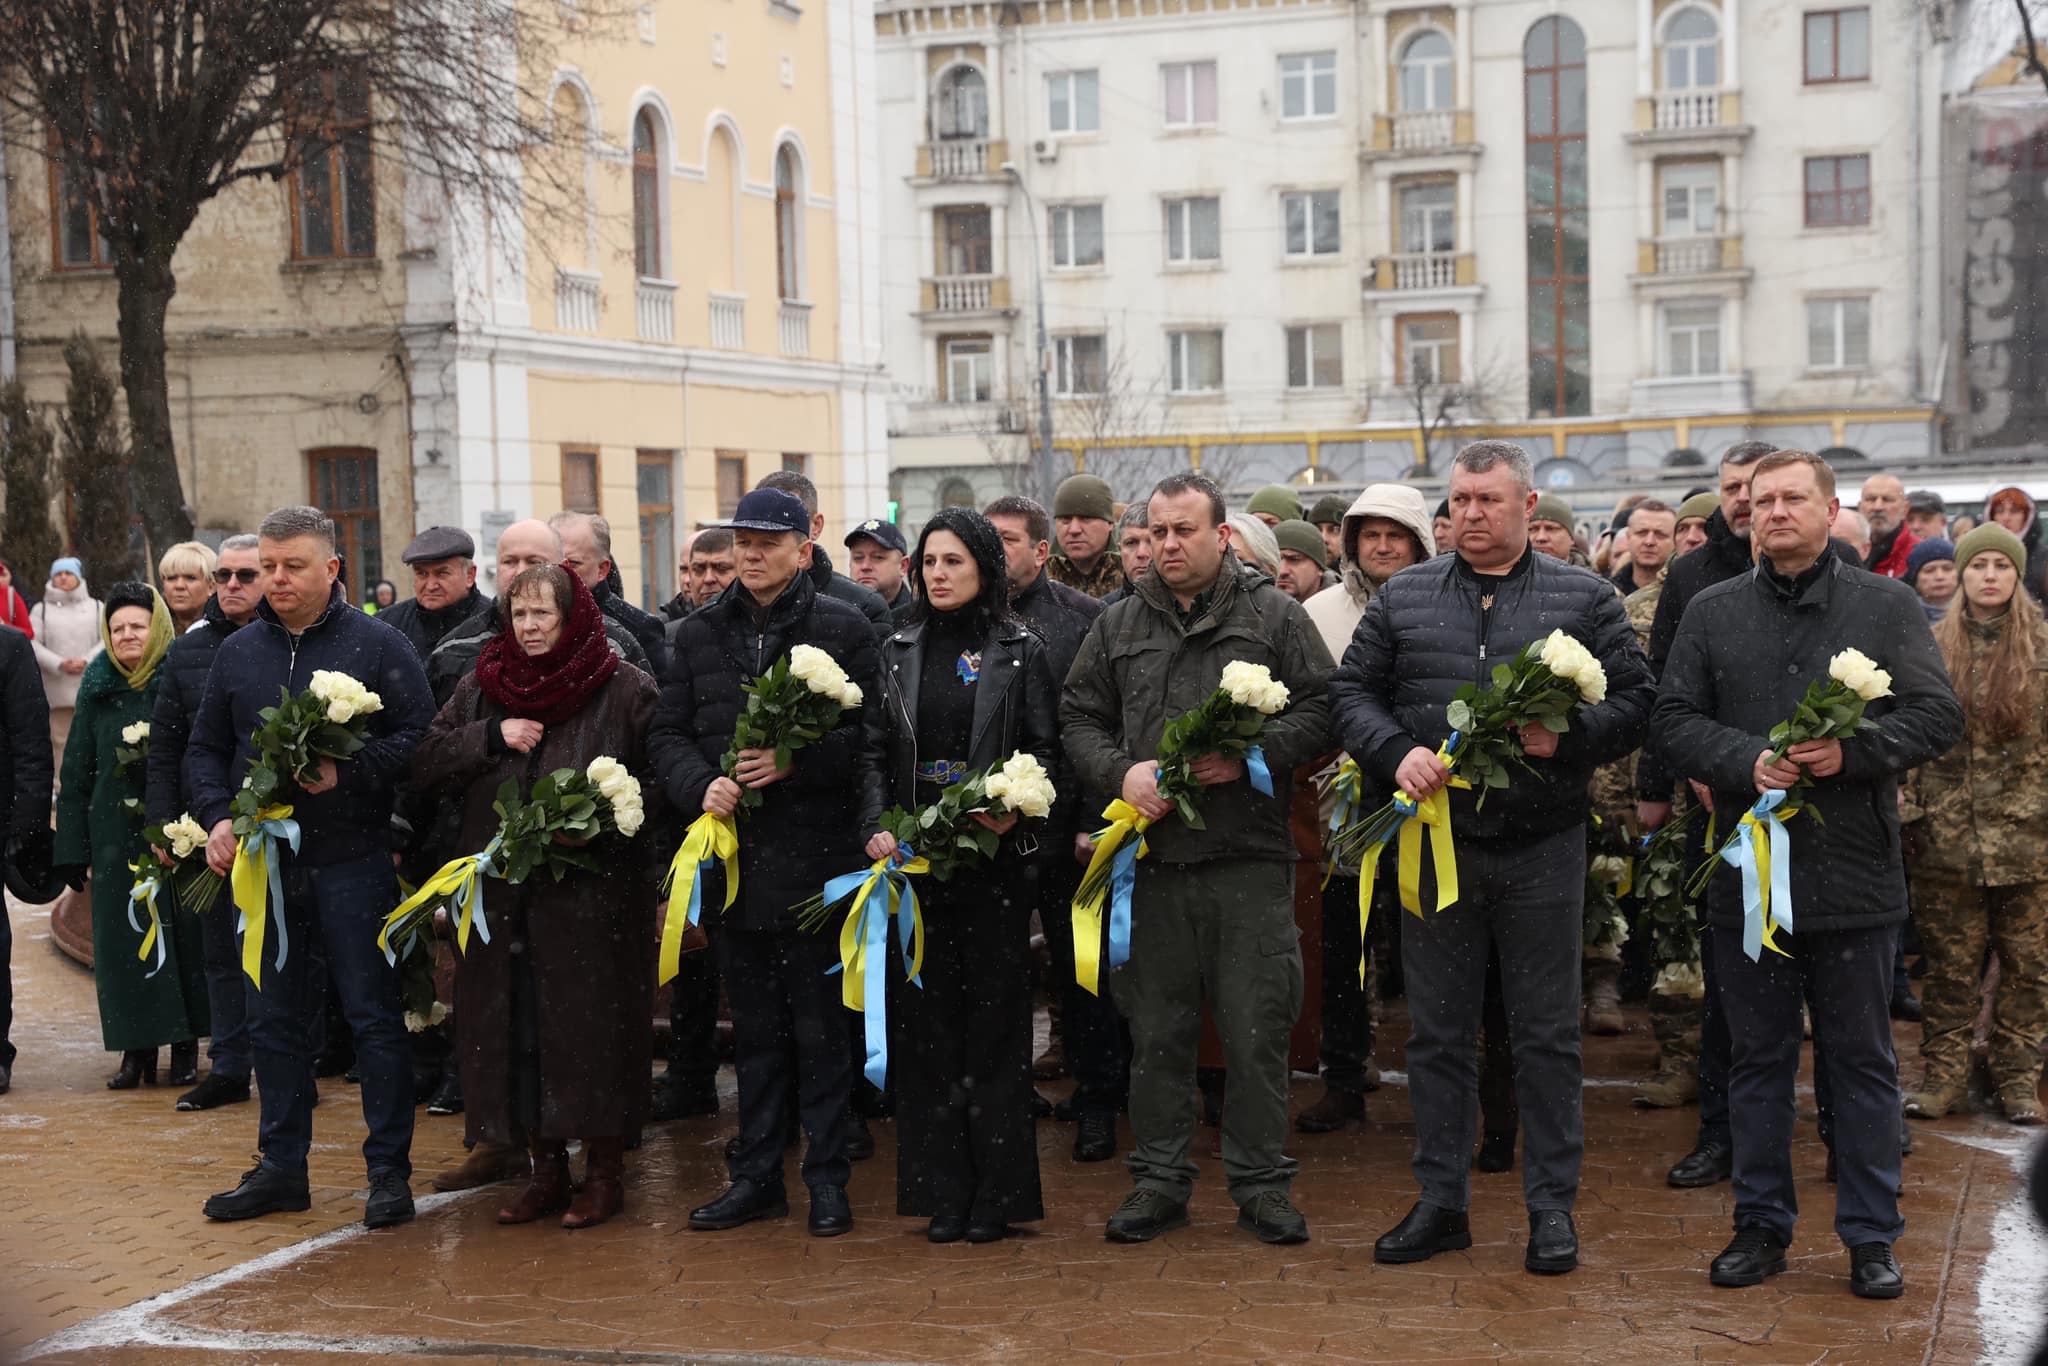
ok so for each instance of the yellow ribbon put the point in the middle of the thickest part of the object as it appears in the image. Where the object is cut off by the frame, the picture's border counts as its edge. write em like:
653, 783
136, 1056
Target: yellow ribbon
854, 945
460, 882
1125, 822
709, 838
1759, 835
254, 878
1432, 813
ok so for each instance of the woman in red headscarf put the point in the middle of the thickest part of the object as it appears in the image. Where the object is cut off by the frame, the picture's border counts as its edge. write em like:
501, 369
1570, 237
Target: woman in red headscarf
552, 1012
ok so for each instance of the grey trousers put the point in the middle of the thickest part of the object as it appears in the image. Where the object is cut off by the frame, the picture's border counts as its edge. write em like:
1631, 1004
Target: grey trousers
1219, 934
1525, 897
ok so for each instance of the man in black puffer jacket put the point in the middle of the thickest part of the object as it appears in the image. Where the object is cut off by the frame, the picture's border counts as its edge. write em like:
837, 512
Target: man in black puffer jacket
784, 1008
181, 683
828, 581
1521, 861
24, 803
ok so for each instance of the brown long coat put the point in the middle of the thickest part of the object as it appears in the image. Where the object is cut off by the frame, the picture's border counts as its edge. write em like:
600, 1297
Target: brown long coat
586, 936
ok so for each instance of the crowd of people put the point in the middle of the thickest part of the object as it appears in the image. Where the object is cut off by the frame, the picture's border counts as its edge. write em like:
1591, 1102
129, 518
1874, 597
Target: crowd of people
1077, 634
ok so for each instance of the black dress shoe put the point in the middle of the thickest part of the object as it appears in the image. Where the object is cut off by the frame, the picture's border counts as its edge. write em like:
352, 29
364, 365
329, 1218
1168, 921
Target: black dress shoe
1496, 1152
6, 1077
742, 1202
263, 1191
1065, 1111
216, 1090
1426, 1231
390, 1202
184, 1064
1095, 1137
1707, 1165
831, 1215
1906, 1006
675, 1098
946, 1228
1751, 1255
1874, 1273
860, 1140
447, 1097
138, 1065
1553, 1243
1041, 1108
987, 1231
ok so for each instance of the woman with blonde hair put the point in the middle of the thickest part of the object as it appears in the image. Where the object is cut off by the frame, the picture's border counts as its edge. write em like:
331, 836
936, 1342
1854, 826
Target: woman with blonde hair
185, 577
1981, 875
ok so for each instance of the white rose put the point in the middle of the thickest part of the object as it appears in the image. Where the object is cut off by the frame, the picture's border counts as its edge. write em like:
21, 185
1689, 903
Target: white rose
996, 787
628, 819
848, 694
1023, 765
1032, 797
1272, 698
1859, 673
604, 771
808, 662
1244, 681
1593, 685
341, 710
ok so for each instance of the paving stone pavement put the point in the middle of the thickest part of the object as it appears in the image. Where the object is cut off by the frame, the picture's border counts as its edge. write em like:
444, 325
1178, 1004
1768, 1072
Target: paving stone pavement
108, 1260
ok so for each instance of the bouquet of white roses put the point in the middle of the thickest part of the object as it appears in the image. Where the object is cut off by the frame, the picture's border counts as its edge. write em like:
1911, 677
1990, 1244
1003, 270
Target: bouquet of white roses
323, 722
183, 844
549, 831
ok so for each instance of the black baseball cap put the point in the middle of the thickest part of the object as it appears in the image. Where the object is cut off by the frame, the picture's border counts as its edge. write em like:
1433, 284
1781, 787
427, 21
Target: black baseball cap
770, 510
887, 535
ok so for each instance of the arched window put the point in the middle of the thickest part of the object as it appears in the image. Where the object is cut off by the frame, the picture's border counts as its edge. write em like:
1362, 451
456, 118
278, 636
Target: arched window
788, 225
646, 196
1426, 72
962, 107
1560, 335
1692, 50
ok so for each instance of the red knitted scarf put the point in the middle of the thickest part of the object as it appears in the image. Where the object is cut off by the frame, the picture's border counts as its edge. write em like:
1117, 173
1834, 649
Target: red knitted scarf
549, 688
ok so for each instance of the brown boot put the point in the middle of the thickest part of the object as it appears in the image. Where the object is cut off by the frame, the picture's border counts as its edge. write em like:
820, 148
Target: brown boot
1603, 998
547, 1189
603, 1193
1338, 1109
486, 1165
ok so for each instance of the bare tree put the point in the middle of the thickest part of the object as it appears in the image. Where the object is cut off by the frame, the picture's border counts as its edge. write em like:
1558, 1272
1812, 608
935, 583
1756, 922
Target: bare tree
1441, 408
2034, 62
152, 110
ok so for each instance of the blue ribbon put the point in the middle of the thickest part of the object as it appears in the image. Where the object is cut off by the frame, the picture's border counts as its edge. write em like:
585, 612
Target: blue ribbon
1255, 764
872, 920
267, 834
1123, 878
1740, 853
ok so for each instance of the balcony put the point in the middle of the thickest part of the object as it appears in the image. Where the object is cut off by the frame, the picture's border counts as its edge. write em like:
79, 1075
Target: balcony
1419, 270
795, 328
1689, 123
576, 300
962, 159
1680, 395
1700, 255
729, 321
655, 309
1420, 133
954, 294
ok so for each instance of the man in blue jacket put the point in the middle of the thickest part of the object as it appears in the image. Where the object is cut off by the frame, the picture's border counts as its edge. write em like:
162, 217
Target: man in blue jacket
340, 884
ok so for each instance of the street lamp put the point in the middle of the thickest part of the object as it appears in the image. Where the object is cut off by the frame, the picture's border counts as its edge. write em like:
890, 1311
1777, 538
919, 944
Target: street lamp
1009, 168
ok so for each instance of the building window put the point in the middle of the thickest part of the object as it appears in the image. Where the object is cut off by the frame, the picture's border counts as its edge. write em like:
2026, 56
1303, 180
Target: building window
961, 109
1078, 364
655, 475
956, 492
1194, 361
646, 197
1427, 349
1315, 356
1308, 86
1194, 230
789, 258
1838, 334
732, 481
970, 368
965, 241
1691, 334
795, 462
1837, 46
1560, 303
1072, 102
1311, 222
333, 202
78, 243
1429, 217
579, 479
1425, 75
1838, 192
1692, 195
1692, 50
1076, 232
344, 482
1190, 94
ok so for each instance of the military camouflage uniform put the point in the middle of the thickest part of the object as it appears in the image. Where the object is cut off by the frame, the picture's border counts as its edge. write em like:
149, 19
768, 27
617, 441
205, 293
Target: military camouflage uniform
1100, 582
1981, 878
1609, 837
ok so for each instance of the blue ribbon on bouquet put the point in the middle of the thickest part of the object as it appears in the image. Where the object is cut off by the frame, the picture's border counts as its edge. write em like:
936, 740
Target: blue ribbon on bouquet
258, 864
1261, 776
148, 882
880, 891
1762, 852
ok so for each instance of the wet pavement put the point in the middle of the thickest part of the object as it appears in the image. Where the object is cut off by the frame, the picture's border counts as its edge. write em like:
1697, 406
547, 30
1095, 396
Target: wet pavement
108, 1259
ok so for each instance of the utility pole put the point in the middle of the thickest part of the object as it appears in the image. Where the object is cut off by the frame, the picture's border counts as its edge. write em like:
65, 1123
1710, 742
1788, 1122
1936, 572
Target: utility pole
1045, 470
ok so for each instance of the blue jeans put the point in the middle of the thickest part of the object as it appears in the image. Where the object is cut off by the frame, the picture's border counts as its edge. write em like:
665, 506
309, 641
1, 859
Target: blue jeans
229, 1010
338, 909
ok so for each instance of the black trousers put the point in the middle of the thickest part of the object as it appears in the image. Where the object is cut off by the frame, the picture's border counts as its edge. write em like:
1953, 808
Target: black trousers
693, 1019
960, 1059
1345, 1046
1847, 976
1498, 1112
787, 1015
1096, 1036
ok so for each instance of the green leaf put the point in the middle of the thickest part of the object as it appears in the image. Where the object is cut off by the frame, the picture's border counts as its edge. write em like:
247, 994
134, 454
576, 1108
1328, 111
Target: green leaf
1459, 715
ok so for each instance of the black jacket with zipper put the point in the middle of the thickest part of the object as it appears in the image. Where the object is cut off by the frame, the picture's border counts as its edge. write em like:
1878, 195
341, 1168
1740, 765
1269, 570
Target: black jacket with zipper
1430, 630
181, 682
806, 829
830, 583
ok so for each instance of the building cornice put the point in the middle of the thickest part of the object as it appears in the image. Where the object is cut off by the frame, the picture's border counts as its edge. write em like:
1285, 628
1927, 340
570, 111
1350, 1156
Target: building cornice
629, 360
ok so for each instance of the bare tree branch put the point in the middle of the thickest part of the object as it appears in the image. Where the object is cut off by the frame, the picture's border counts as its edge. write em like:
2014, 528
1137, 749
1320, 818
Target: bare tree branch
2034, 63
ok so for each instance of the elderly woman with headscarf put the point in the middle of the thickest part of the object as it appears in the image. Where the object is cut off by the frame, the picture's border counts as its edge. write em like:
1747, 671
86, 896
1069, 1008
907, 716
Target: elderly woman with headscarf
965, 685
143, 1004
551, 1011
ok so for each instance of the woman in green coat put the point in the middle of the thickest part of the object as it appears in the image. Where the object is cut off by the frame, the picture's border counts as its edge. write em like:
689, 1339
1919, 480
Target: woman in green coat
99, 827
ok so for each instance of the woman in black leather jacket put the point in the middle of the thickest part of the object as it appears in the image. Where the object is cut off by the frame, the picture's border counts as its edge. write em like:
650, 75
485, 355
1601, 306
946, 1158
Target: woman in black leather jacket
964, 685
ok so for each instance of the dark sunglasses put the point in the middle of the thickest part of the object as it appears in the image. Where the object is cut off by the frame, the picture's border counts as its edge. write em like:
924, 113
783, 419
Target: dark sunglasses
244, 576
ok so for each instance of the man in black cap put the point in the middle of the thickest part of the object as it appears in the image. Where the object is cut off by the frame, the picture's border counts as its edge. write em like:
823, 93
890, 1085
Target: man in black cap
444, 592
24, 806
875, 552
824, 577
786, 1013
1926, 515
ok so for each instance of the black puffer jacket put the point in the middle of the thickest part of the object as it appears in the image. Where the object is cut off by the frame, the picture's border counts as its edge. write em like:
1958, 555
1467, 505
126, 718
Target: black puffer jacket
1016, 706
1429, 632
181, 681
807, 828
1060, 616
24, 744
832, 584
1743, 658
645, 627
425, 627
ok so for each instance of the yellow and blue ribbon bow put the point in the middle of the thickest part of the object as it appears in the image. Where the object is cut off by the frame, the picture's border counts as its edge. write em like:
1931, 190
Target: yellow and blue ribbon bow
149, 880
879, 892
1255, 767
257, 870
1762, 852
460, 881
1118, 847
1411, 818
709, 839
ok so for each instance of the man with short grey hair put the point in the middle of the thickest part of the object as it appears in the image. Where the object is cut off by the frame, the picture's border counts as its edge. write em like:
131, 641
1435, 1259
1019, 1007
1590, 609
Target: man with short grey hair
587, 553
1852, 529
